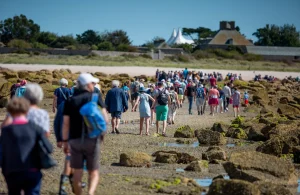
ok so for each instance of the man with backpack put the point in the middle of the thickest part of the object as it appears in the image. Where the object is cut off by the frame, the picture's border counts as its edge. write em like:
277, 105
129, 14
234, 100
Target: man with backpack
14, 88
134, 89
200, 99
79, 139
162, 100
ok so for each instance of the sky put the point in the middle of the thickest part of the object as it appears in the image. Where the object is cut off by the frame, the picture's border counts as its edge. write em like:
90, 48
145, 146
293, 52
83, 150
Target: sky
145, 19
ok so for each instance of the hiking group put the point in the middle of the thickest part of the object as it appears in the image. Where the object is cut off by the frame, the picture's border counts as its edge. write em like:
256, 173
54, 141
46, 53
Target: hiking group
81, 122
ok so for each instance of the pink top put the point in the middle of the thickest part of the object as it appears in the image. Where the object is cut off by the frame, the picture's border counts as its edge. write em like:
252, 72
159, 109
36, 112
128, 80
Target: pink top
213, 93
20, 120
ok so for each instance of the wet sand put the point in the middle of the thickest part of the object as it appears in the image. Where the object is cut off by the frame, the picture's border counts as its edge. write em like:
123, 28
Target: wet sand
135, 71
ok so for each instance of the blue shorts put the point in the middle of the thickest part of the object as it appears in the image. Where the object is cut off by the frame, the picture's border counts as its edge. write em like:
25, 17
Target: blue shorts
116, 115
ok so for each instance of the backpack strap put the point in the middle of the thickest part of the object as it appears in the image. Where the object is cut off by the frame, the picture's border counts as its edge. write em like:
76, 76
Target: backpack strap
95, 97
62, 93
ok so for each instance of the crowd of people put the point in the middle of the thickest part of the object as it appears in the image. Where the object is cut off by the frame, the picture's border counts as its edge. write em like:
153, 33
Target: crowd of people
157, 102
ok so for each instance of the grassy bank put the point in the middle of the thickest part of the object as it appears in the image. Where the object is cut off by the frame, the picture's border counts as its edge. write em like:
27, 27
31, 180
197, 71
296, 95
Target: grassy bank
205, 63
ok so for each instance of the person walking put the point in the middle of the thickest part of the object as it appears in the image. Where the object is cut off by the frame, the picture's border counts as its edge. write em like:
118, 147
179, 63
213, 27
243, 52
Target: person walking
246, 99
236, 101
213, 99
200, 99
14, 87
151, 92
76, 143
190, 93
145, 110
116, 103
126, 90
134, 88
21, 89
227, 94
19, 157
221, 100
162, 100
173, 106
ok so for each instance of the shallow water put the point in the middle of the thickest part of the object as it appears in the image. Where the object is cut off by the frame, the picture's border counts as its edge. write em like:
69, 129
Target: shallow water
193, 145
180, 170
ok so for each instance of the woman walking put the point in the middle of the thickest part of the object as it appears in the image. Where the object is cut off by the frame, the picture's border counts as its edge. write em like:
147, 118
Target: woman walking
151, 92
213, 99
236, 101
19, 158
145, 111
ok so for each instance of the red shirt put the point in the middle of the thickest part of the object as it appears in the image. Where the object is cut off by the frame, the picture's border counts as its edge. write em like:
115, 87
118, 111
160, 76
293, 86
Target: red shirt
213, 81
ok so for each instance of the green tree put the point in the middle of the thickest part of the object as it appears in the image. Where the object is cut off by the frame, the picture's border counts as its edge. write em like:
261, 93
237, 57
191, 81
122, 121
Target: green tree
47, 38
18, 27
105, 46
89, 37
186, 47
64, 41
200, 32
117, 38
273, 35
18, 43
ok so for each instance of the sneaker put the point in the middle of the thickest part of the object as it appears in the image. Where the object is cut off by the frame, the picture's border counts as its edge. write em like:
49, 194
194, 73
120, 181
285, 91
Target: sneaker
173, 122
198, 112
117, 131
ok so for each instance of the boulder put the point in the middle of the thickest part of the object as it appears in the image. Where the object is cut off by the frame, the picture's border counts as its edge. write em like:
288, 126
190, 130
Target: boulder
238, 121
232, 187
166, 158
285, 99
5, 89
296, 154
3, 102
255, 166
135, 159
10, 74
214, 153
208, 137
278, 145
287, 109
220, 127
255, 132
267, 188
173, 157
184, 132
237, 133
261, 97
198, 166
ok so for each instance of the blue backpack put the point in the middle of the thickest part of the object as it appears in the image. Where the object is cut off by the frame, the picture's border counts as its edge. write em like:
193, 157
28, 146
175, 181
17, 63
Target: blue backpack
200, 93
93, 118
20, 91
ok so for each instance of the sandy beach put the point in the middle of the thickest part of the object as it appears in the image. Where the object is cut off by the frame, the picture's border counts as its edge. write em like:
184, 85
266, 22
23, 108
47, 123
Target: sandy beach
135, 71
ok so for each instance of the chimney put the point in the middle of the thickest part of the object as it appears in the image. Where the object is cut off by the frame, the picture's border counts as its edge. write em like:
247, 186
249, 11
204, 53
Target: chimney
225, 25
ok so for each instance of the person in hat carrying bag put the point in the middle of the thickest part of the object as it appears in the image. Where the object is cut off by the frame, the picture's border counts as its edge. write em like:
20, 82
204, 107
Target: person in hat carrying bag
145, 110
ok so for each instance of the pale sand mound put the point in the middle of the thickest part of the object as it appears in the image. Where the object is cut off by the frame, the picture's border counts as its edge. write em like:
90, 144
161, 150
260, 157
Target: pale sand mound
135, 71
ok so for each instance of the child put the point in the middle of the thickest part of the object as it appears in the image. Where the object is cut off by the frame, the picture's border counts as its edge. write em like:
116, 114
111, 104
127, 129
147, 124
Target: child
246, 98
145, 111
236, 101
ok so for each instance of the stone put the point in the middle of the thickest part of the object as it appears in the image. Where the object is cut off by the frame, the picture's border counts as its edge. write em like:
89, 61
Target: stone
184, 132
261, 97
232, 187
238, 121
3, 102
255, 166
10, 74
214, 153
237, 133
5, 89
135, 159
220, 127
278, 146
208, 137
296, 153
255, 132
287, 109
268, 188
173, 157
198, 166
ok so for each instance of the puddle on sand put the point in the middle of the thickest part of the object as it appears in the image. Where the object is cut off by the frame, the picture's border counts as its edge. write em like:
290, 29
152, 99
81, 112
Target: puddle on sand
207, 181
193, 145
179, 170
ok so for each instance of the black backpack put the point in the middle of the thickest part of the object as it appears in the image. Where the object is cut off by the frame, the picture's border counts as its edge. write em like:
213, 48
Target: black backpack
162, 98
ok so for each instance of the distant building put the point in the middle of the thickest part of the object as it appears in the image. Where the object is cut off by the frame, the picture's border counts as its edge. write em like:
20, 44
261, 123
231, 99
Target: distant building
228, 35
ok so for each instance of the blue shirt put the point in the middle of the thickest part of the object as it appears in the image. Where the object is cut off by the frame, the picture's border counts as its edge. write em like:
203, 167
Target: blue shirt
116, 100
62, 95
125, 89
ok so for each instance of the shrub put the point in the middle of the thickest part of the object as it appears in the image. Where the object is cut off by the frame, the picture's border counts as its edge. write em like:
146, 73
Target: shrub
18, 43
71, 47
82, 47
38, 45
253, 57
105, 46
128, 56
146, 56
126, 48
200, 54
94, 47
183, 58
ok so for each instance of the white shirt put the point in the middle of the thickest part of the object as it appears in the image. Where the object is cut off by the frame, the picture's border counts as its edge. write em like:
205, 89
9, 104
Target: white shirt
227, 91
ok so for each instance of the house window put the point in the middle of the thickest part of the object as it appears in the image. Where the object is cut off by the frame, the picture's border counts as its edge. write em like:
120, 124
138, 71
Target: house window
229, 42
